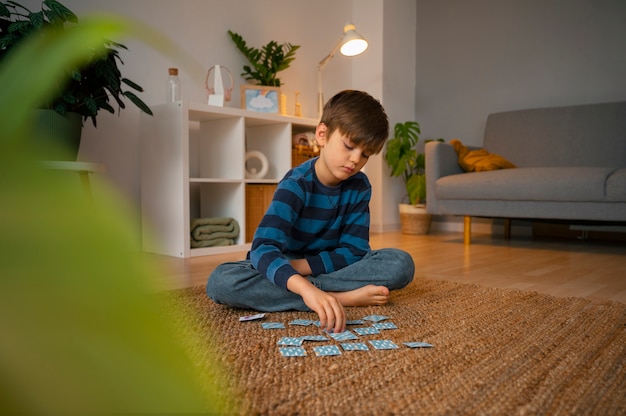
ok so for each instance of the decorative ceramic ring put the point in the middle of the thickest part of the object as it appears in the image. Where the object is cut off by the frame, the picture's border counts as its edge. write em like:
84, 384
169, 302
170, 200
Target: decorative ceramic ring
254, 173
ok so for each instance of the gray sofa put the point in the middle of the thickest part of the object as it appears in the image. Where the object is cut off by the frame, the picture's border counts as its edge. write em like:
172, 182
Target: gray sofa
570, 165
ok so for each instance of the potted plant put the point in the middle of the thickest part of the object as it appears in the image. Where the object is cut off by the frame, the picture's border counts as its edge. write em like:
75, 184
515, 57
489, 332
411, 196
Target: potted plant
88, 88
402, 156
265, 64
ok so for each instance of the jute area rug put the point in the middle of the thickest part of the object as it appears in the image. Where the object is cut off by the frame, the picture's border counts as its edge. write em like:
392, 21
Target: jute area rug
496, 352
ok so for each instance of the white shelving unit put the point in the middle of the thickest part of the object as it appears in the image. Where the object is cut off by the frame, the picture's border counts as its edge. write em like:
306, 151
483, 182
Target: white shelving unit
193, 166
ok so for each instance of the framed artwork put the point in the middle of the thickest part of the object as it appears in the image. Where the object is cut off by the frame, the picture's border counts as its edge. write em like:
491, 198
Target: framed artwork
260, 98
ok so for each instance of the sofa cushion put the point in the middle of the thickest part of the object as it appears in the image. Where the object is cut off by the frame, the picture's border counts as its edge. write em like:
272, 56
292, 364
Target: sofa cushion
616, 186
478, 160
533, 184
580, 135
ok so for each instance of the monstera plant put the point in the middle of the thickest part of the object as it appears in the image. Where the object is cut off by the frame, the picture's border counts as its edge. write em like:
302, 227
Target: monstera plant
405, 161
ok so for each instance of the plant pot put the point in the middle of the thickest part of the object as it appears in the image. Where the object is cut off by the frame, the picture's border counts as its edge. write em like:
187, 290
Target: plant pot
56, 137
414, 219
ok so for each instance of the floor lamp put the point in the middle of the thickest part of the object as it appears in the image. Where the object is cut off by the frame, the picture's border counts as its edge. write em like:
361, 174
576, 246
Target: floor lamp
351, 43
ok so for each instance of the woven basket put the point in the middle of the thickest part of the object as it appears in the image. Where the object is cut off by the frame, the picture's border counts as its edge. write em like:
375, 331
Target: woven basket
414, 219
300, 154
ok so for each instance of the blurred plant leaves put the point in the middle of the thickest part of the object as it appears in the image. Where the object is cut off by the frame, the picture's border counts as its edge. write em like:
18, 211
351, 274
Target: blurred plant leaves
82, 330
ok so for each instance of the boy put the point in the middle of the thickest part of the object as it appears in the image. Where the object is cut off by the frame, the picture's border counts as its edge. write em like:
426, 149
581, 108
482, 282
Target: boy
311, 250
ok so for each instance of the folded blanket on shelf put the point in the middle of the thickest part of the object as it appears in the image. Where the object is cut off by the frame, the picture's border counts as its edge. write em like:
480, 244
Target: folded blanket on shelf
214, 231
216, 242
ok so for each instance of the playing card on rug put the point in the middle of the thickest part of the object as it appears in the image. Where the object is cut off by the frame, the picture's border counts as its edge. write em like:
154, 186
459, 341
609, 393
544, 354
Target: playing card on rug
290, 341
366, 331
273, 325
384, 325
355, 322
314, 338
376, 318
251, 317
292, 351
327, 350
303, 322
418, 344
354, 346
383, 344
343, 336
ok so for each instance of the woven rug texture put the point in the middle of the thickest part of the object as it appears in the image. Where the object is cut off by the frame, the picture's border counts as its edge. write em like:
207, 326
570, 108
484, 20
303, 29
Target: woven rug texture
496, 352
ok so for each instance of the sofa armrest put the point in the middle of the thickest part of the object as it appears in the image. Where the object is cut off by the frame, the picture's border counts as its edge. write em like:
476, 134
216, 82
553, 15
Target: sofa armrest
441, 160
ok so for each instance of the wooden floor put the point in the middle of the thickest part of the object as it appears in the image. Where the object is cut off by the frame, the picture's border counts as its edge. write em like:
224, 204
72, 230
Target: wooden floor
591, 269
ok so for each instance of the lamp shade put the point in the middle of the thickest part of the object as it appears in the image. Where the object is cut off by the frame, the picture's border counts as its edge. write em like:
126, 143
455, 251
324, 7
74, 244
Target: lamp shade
352, 43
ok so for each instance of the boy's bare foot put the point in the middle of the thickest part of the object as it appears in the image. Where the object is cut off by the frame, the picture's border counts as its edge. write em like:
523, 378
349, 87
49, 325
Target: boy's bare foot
369, 295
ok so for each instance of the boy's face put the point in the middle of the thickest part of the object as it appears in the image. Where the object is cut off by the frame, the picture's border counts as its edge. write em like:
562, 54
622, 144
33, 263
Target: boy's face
339, 158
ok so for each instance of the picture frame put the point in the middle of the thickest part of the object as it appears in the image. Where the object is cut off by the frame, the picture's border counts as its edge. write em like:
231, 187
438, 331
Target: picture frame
260, 98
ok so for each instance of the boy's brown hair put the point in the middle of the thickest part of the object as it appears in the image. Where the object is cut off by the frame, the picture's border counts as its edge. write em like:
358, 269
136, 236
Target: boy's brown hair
358, 116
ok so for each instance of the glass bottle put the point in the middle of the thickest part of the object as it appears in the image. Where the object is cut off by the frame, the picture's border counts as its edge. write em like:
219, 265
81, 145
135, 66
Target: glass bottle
173, 86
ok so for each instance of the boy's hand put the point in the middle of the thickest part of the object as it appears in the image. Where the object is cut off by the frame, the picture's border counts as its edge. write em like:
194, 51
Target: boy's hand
328, 308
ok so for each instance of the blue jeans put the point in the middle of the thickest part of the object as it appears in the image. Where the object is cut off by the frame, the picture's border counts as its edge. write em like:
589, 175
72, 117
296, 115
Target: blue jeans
240, 285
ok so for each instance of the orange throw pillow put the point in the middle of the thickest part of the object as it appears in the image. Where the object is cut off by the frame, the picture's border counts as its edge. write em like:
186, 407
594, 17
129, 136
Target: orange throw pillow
479, 160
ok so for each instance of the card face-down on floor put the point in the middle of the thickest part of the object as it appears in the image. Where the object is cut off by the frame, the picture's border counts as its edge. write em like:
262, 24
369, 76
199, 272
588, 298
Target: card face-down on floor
292, 351
366, 331
297, 341
343, 336
417, 344
301, 322
354, 346
384, 325
325, 350
314, 338
383, 344
273, 325
376, 318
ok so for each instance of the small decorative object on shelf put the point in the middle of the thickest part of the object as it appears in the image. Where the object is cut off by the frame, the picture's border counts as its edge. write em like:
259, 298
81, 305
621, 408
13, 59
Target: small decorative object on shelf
173, 86
298, 109
257, 165
304, 147
283, 104
219, 93
260, 98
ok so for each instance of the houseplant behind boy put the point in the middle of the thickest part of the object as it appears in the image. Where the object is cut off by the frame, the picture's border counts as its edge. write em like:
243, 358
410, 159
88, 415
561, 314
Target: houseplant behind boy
406, 162
87, 88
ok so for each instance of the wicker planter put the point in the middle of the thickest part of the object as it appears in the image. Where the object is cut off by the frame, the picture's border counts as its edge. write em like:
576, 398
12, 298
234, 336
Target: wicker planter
414, 219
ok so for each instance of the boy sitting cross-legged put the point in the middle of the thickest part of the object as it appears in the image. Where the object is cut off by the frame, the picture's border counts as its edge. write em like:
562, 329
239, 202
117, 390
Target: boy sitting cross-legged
311, 250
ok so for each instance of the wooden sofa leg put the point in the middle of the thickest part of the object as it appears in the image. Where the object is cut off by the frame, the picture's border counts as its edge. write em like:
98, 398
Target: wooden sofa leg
507, 229
467, 230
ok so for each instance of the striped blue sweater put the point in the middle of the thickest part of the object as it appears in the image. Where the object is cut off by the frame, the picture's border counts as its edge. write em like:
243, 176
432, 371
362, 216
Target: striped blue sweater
306, 219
